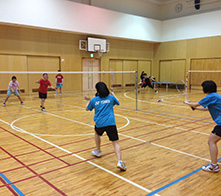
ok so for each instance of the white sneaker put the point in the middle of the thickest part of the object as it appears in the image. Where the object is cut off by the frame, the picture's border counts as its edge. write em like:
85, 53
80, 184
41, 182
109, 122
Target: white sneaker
121, 165
60, 94
43, 109
55, 95
3, 104
211, 168
96, 153
22, 103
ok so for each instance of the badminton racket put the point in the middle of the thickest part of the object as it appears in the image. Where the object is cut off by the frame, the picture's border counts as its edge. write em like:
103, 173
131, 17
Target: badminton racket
182, 89
111, 79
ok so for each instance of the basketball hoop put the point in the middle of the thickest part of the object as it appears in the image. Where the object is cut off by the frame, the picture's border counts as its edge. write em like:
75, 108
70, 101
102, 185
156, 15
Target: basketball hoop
100, 52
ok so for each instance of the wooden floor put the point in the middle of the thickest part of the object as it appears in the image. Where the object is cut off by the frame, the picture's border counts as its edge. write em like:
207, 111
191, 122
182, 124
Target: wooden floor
49, 153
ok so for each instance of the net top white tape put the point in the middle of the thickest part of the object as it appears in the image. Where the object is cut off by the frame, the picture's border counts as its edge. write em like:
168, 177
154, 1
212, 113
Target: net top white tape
206, 71
62, 72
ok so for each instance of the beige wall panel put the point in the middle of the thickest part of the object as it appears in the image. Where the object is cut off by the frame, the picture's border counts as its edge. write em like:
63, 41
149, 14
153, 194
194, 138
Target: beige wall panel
129, 79
43, 64
196, 79
178, 70
143, 66
13, 63
165, 71
117, 65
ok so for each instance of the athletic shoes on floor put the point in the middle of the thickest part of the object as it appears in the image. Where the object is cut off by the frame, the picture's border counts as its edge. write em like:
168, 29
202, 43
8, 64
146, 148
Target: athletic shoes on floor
156, 91
3, 104
211, 168
55, 95
121, 165
43, 108
22, 103
60, 94
96, 153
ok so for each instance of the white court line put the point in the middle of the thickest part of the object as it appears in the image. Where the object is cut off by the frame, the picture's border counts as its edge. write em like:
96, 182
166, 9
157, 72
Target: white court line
160, 124
177, 106
79, 157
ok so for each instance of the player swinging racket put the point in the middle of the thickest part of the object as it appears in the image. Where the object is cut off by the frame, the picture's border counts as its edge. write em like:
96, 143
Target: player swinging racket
147, 81
212, 103
13, 87
104, 119
43, 89
59, 82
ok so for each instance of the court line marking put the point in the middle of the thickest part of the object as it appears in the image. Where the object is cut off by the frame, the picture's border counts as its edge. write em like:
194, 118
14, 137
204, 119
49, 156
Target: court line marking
176, 181
160, 124
12, 185
125, 94
151, 122
68, 119
75, 155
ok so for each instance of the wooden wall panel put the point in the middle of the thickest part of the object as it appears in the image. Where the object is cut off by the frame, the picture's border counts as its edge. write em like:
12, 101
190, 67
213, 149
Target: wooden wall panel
117, 65
196, 79
129, 79
13, 63
144, 66
172, 71
38, 63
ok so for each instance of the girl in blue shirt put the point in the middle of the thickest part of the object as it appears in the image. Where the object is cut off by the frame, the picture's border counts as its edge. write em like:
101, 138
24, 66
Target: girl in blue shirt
104, 119
211, 103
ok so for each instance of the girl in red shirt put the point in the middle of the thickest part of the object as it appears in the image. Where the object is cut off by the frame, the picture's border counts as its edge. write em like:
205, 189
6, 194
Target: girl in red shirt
43, 89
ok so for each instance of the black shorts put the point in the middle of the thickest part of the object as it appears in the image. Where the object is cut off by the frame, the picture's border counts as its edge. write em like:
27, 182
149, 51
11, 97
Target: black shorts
42, 95
110, 130
145, 85
217, 130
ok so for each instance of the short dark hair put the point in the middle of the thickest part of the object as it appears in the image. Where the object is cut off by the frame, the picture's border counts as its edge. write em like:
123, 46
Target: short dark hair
209, 86
45, 74
145, 74
102, 90
59, 70
13, 77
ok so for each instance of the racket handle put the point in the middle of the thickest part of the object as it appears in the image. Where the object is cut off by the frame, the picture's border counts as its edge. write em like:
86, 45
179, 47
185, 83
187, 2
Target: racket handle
193, 108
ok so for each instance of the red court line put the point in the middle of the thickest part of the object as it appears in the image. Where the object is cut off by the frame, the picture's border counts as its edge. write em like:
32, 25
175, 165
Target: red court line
46, 181
109, 144
34, 145
94, 157
8, 186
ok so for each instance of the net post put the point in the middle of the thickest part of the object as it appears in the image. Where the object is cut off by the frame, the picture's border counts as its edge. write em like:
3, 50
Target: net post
187, 80
136, 89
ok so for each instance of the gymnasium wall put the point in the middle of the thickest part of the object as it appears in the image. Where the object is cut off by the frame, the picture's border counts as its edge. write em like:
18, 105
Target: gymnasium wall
192, 54
23, 49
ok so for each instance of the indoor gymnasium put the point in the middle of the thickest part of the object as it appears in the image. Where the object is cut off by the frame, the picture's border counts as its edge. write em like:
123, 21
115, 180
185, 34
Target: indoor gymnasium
110, 97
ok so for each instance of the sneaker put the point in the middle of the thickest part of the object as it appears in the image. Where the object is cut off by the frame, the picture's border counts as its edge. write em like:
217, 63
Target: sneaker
211, 168
40, 106
4, 105
43, 109
60, 94
121, 165
96, 153
156, 92
22, 103
55, 95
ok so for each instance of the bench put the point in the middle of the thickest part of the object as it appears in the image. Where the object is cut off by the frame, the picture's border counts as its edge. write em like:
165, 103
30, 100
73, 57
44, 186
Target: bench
165, 83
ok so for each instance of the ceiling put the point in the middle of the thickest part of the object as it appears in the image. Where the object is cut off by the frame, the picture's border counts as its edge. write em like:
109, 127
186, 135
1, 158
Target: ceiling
156, 9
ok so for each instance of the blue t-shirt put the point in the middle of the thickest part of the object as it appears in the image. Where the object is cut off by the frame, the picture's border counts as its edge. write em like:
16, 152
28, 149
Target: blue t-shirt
104, 113
213, 102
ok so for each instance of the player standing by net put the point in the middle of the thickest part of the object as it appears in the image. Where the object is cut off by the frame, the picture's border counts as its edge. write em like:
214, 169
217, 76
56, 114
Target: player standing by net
13, 87
43, 89
104, 119
211, 103
59, 82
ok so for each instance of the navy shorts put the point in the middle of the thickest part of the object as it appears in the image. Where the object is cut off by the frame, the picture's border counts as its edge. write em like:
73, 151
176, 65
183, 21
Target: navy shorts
217, 130
110, 130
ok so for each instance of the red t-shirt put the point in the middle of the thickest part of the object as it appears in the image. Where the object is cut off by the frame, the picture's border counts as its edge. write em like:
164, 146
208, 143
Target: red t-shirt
59, 78
44, 86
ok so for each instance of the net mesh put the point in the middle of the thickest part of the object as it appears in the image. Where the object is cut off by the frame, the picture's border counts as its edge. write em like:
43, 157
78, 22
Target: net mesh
76, 85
